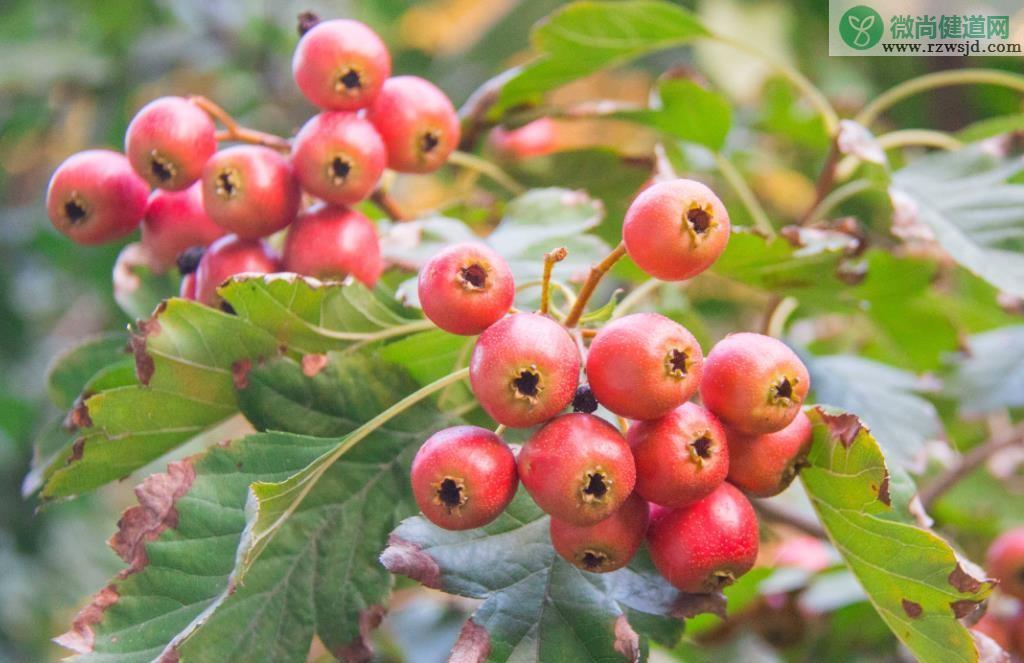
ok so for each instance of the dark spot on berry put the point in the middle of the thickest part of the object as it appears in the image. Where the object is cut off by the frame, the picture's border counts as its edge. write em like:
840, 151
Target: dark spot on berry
784, 389
227, 308
75, 211
584, 400
593, 560
351, 80
429, 140
596, 486
227, 183
527, 383
188, 260
474, 276
676, 361
702, 446
450, 493
162, 169
307, 21
339, 169
699, 220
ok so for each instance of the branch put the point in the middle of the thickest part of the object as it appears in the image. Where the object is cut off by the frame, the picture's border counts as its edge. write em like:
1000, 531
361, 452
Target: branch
388, 205
969, 462
234, 131
783, 516
597, 272
550, 259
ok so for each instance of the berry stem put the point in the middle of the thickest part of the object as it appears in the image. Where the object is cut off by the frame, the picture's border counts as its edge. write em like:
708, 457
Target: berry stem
236, 132
779, 310
969, 462
550, 259
597, 272
735, 179
388, 205
485, 167
500, 429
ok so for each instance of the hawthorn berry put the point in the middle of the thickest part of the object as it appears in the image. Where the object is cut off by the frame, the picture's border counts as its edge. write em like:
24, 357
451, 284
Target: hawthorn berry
681, 457
463, 477
764, 465
338, 157
466, 288
187, 288
1005, 561
577, 468
643, 366
706, 546
332, 243
341, 65
533, 139
753, 383
168, 142
176, 220
95, 197
675, 230
418, 123
997, 628
250, 191
524, 369
226, 257
604, 546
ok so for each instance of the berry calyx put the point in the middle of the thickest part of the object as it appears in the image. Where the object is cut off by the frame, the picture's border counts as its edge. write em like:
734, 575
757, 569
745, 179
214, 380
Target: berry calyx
340, 64
466, 288
331, 243
524, 369
418, 123
250, 191
604, 546
188, 260
463, 477
338, 157
96, 197
643, 366
681, 457
753, 383
175, 221
577, 468
227, 257
764, 465
675, 230
706, 546
168, 141
1005, 561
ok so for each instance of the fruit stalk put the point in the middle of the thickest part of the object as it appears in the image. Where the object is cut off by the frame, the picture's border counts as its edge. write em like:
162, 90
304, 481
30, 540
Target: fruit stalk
597, 272
234, 131
550, 259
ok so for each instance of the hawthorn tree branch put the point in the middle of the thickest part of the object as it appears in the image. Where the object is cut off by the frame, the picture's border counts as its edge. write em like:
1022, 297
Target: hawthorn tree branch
969, 462
234, 131
783, 516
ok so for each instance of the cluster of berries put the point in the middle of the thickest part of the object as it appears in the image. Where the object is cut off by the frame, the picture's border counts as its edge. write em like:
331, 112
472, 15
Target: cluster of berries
232, 199
1004, 621
676, 475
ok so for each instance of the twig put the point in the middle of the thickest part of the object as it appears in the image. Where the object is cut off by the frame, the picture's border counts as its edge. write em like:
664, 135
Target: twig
234, 131
597, 272
783, 516
735, 179
826, 178
648, 287
550, 259
388, 205
474, 112
777, 314
835, 197
485, 167
500, 429
969, 462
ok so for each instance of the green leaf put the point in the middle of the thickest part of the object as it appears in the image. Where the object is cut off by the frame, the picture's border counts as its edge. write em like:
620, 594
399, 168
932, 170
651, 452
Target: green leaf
912, 577
687, 111
991, 126
585, 37
963, 200
778, 266
138, 289
71, 370
990, 375
535, 605
431, 355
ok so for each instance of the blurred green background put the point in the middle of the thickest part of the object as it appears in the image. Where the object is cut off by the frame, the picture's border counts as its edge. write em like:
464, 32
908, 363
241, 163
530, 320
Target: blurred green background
73, 72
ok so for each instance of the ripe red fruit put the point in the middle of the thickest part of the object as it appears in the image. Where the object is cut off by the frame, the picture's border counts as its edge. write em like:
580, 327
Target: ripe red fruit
675, 230
227, 257
607, 545
524, 369
417, 122
187, 288
96, 197
1005, 561
764, 465
463, 477
175, 221
250, 190
753, 383
338, 157
577, 468
681, 457
643, 366
466, 288
332, 243
534, 139
997, 628
705, 546
341, 65
169, 140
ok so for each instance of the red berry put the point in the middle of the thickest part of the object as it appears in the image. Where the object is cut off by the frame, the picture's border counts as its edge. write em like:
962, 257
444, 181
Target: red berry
169, 140
227, 257
338, 157
534, 139
998, 628
417, 122
187, 289
675, 230
524, 369
250, 191
1005, 561
764, 465
753, 383
680, 458
463, 477
704, 547
341, 65
643, 366
95, 197
332, 243
175, 221
577, 468
466, 288
607, 545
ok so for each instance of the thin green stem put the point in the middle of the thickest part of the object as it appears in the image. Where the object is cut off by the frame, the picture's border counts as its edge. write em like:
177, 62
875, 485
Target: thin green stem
550, 259
775, 321
899, 92
485, 167
835, 197
597, 272
367, 337
915, 137
735, 179
637, 295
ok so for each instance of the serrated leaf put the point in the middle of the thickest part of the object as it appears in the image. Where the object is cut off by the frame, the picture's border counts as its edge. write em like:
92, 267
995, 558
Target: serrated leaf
778, 266
429, 356
687, 111
990, 375
912, 577
71, 370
